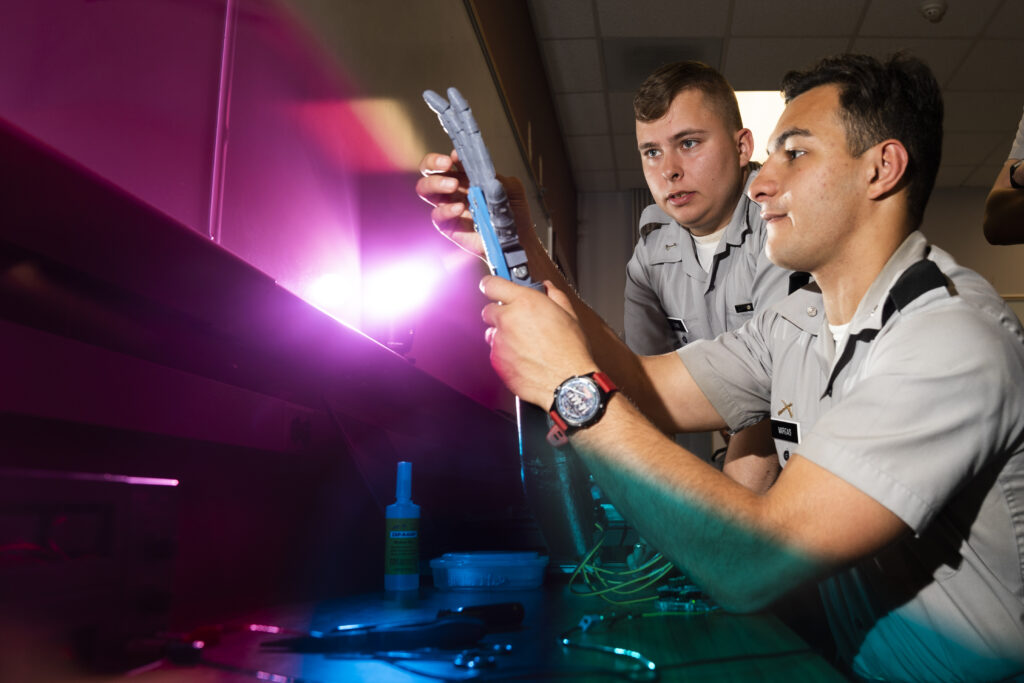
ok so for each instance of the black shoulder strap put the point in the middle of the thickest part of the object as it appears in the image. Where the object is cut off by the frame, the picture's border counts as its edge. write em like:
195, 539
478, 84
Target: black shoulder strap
797, 279
919, 278
648, 228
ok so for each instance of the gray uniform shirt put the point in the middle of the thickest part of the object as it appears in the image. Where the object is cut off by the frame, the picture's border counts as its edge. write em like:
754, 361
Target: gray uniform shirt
671, 300
924, 416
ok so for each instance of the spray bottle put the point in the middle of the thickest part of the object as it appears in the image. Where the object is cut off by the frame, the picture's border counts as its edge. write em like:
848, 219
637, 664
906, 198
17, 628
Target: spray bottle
401, 546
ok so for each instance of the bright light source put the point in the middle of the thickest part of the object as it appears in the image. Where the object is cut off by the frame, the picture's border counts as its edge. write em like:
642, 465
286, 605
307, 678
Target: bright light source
760, 110
329, 292
398, 289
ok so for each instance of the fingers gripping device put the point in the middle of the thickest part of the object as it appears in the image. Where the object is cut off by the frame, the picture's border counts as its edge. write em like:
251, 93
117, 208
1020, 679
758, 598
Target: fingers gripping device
488, 201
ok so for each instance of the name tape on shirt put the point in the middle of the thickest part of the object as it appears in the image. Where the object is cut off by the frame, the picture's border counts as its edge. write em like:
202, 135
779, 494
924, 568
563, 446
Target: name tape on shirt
744, 308
785, 430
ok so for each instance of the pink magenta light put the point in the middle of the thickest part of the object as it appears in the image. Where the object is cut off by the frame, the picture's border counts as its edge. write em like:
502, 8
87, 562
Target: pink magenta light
330, 292
398, 289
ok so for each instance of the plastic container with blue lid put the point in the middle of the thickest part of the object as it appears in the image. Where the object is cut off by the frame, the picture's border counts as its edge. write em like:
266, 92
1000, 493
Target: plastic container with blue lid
488, 571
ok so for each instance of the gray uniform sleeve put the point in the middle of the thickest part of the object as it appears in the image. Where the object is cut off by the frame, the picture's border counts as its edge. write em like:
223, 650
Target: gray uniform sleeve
645, 322
734, 371
1017, 151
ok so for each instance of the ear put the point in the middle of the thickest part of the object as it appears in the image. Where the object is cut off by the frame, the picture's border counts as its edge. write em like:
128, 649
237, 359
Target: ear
745, 145
889, 161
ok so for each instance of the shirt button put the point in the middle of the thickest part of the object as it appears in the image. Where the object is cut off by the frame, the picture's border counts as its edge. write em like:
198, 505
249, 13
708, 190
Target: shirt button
785, 455
812, 311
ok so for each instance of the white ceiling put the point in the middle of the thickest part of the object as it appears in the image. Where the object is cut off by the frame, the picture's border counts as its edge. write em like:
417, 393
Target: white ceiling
597, 52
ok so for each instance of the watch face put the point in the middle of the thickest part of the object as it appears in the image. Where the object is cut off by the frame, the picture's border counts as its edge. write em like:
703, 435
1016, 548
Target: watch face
578, 400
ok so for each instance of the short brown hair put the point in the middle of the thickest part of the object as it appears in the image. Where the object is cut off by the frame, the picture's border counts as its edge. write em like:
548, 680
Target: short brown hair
656, 93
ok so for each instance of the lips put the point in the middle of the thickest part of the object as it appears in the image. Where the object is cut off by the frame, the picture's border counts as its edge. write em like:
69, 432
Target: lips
769, 216
680, 198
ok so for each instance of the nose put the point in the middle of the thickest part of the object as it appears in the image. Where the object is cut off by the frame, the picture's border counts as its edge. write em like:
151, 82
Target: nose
671, 172
764, 185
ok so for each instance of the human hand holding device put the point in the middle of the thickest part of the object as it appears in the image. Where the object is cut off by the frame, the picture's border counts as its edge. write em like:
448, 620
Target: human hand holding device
488, 201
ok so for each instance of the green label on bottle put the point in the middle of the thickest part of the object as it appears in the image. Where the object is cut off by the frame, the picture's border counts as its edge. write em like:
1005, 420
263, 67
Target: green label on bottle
402, 546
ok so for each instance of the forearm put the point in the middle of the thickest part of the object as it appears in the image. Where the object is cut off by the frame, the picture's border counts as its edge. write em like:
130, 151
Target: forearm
1004, 216
716, 531
610, 353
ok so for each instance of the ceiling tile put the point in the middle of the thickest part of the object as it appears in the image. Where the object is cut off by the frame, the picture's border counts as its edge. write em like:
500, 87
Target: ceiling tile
943, 56
759, 63
563, 19
982, 176
972, 148
591, 152
628, 61
977, 72
952, 176
904, 18
1001, 152
652, 18
796, 17
623, 122
573, 65
983, 111
626, 154
596, 181
1008, 21
583, 113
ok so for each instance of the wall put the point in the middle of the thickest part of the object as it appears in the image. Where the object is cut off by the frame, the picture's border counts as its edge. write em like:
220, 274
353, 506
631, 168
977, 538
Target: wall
308, 172
605, 246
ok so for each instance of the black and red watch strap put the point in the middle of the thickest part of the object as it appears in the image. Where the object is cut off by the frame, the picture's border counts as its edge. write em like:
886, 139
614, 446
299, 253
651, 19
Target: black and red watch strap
558, 434
604, 381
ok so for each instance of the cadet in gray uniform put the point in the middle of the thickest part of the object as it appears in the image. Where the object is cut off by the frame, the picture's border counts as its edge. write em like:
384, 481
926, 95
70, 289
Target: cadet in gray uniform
894, 382
699, 267
671, 300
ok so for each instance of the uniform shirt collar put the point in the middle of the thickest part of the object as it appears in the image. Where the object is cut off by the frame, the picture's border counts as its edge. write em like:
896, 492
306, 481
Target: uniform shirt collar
746, 211
805, 307
869, 311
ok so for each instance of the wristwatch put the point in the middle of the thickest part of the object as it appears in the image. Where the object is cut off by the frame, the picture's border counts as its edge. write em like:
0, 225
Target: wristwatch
579, 403
1013, 169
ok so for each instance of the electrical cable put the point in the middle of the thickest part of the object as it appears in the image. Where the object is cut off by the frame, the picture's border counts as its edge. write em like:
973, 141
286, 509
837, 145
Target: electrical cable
602, 582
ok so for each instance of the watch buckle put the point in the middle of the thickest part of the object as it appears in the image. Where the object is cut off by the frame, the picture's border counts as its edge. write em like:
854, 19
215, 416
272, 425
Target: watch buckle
557, 436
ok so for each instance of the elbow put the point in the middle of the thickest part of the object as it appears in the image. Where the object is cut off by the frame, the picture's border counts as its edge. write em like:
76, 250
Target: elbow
1004, 211
754, 590
992, 232
996, 236
745, 599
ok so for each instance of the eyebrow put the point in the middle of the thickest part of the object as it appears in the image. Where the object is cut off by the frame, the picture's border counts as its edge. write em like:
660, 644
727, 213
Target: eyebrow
785, 135
686, 133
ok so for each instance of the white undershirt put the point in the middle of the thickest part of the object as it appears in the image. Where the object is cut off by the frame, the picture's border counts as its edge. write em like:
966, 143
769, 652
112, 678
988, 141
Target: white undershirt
706, 247
839, 334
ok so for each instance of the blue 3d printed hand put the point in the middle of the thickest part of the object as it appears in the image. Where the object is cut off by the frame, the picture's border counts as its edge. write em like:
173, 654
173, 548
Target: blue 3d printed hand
488, 201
